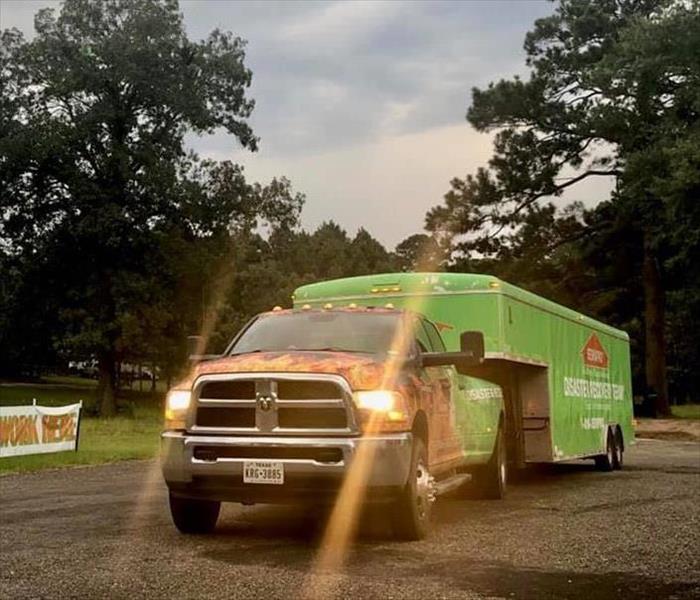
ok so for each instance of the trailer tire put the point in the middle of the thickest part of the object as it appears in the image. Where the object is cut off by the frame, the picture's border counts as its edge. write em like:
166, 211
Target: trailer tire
194, 516
493, 478
605, 462
411, 512
619, 450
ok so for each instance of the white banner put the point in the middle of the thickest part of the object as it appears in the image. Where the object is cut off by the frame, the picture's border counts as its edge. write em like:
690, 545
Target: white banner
38, 429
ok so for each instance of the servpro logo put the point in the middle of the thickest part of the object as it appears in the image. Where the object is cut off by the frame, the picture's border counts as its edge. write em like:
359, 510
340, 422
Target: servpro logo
593, 353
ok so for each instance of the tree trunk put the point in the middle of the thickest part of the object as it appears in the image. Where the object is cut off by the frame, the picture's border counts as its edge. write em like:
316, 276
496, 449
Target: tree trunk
106, 402
654, 325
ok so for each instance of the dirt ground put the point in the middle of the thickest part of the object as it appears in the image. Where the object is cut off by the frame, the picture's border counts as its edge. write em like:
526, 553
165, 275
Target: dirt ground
565, 531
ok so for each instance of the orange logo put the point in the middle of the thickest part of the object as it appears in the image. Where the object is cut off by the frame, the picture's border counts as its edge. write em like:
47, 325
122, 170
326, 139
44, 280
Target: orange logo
593, 353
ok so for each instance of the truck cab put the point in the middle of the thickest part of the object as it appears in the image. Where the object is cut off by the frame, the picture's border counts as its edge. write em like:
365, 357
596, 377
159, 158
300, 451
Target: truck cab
306, 398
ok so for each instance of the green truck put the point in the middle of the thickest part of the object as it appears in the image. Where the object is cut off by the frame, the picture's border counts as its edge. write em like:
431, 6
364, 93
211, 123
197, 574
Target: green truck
443, 380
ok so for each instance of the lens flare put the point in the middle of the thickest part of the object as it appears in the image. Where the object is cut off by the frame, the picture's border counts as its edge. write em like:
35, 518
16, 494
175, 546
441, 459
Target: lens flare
345, 516
213, 305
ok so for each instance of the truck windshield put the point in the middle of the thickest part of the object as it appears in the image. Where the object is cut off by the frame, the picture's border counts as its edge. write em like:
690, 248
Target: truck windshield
323, 331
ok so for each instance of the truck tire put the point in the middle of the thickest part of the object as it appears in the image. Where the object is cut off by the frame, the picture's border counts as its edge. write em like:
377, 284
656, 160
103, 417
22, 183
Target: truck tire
493, 478
411, 512
619, 450
194, 516
604, 462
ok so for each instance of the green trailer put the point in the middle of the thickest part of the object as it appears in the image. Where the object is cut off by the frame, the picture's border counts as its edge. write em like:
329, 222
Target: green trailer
564, 378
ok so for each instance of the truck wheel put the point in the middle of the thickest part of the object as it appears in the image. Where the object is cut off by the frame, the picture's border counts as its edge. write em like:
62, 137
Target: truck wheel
411, 512
194, 516
493, 479
619, 450
604, 462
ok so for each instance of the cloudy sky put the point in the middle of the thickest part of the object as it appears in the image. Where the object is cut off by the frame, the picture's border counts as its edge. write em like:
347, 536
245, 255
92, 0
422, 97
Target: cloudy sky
362, 104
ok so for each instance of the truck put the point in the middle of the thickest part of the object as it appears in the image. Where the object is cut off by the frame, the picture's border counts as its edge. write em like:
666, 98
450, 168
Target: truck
440, 381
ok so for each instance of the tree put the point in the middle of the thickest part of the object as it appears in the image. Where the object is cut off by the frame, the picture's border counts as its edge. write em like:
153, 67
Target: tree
329, 247
420, 252
93, 167
614, 91
367, 255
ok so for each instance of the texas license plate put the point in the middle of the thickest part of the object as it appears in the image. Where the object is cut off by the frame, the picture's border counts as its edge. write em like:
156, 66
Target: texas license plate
263, 471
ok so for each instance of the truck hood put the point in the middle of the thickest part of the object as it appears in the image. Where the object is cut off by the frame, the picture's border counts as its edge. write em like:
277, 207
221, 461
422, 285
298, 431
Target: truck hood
362, 372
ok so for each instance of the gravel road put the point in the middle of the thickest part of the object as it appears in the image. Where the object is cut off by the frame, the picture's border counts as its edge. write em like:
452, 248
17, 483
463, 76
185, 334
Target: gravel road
563, 532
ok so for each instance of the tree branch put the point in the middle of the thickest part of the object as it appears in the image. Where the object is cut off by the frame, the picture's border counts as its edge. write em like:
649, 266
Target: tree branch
557, 188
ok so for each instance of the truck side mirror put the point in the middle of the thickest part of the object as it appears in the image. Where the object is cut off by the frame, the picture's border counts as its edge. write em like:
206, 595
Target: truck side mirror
195, 344
472, 342
471, 353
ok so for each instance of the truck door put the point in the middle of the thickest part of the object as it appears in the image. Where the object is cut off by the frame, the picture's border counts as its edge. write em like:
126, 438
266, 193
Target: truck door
476, 407
439, 389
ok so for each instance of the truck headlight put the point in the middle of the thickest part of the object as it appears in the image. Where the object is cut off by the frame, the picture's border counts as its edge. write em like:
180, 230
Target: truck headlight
389, 406
379, 400
176, 404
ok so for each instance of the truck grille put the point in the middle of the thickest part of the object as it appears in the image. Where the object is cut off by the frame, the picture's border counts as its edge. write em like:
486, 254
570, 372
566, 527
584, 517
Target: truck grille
221, 416
273, 404
213, 453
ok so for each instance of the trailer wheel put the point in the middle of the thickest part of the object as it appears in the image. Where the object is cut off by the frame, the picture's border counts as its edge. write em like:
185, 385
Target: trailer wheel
194, 516
618, 455
411, 512
491, 480
605, 462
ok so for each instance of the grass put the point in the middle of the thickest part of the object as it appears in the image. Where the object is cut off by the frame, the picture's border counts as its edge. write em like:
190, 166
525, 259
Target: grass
686, 411
132, 434
46, 394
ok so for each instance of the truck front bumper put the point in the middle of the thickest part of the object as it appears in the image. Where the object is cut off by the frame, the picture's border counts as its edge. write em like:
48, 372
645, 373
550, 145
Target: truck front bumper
211, 467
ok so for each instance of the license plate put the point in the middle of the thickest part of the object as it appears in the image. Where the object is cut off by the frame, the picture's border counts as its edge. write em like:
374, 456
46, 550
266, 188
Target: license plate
263, 471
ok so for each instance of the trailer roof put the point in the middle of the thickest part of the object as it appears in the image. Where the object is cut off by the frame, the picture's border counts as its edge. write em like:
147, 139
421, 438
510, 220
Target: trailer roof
438, 284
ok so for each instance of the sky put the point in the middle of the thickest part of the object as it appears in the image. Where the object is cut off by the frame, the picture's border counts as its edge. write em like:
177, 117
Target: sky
362, 104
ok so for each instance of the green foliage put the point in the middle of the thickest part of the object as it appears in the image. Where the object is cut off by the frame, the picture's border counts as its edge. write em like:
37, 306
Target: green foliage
103, 209
420, 252
614, 91
686, 411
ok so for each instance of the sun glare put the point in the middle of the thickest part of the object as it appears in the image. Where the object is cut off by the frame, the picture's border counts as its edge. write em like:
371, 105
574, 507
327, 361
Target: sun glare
344, 520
